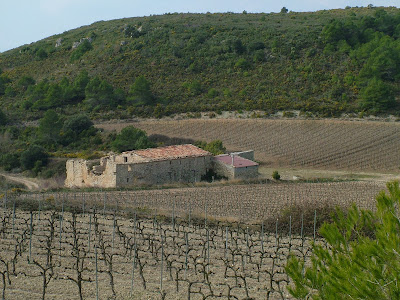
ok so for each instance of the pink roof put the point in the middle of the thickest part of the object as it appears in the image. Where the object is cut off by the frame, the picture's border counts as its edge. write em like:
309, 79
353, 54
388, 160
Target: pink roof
171, 152
238, 161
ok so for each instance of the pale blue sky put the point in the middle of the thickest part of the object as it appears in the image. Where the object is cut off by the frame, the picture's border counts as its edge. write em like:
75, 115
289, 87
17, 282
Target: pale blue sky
26, 21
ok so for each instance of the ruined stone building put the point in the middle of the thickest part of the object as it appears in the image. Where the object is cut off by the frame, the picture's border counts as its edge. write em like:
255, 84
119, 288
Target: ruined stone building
181, 163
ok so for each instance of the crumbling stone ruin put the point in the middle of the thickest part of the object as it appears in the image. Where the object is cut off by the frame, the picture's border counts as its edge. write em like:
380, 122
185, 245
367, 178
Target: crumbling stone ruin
180, 163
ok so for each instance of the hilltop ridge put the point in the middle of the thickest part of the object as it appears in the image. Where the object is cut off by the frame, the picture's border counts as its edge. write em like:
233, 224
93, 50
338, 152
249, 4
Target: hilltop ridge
326, 62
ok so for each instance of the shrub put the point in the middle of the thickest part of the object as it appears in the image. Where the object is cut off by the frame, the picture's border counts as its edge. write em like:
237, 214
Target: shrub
131, 138
275, 175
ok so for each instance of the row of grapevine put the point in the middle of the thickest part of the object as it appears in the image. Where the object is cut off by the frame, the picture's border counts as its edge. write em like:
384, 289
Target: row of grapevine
322, 144
60, 255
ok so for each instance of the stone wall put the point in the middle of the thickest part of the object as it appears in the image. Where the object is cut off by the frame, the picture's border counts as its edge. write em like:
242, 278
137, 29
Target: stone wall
189, 169
232, 172
245, 154
79, 174
111, 173
246, 172
223, 169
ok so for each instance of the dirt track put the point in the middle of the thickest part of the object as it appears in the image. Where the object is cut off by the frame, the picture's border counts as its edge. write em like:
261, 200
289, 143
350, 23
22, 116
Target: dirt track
28, 182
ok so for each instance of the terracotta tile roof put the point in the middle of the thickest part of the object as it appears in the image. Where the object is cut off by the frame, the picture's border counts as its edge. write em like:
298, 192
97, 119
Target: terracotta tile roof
238, 161
170, 152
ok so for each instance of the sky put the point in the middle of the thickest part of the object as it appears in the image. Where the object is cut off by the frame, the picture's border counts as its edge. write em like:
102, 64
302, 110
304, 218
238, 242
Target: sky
26, 21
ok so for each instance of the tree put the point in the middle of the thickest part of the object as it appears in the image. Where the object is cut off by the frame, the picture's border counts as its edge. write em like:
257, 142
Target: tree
140, 91
3, 118
100, 92
284, 10
25, 82
376, 96
359, 258
76, 127
215, 147
34, 156
131, 138
49, 127
80, 83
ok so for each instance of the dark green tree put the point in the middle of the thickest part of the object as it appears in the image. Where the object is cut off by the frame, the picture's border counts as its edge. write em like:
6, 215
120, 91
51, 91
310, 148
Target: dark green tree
377, 96
140, 92
34, 156
77, 127
50, 127
359, 258
284, 10
80, 83
131, 138
41, 54
100, 93
10, 161
25, 82
3, 118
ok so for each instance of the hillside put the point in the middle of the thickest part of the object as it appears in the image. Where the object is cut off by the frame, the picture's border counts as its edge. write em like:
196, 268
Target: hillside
325, 62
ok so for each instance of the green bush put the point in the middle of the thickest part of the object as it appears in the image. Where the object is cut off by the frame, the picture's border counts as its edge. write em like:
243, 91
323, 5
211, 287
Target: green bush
131, 138
84, 47
276, 175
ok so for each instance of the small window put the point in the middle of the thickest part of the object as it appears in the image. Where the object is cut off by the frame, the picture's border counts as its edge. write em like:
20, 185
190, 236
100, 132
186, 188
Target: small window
127, 180
170, 162
125, 159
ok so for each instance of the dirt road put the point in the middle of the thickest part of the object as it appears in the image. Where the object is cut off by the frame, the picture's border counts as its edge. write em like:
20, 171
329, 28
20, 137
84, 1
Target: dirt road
28, 182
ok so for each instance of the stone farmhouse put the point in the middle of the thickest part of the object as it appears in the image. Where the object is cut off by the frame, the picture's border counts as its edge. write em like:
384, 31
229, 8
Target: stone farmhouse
180, 163
237, 165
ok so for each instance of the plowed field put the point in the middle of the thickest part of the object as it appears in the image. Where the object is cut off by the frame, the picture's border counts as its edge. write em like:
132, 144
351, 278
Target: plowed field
318, 144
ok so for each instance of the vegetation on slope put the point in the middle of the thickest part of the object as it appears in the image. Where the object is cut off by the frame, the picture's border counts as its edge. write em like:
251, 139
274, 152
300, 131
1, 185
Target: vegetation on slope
327, 62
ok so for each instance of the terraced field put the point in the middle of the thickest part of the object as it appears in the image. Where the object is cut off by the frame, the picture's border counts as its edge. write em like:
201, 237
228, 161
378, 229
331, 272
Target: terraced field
319, 144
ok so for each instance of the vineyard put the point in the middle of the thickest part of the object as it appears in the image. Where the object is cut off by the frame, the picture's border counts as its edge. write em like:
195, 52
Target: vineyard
320, 144
59, 255
247, 203
214, 242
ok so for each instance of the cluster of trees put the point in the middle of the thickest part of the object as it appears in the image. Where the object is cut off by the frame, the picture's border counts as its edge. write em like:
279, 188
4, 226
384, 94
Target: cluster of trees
93, 94
28, 148
373, 44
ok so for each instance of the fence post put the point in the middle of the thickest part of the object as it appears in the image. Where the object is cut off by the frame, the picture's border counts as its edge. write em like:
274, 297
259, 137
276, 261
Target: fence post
97, 277
30, 238
162, 264
13, 218
90, 230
